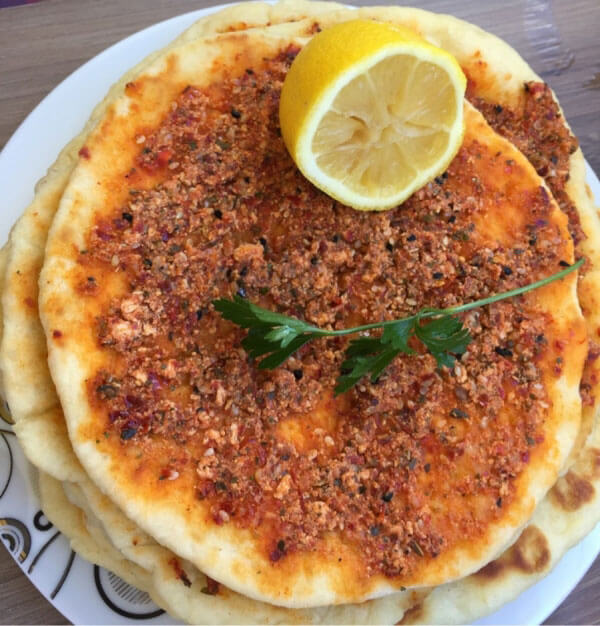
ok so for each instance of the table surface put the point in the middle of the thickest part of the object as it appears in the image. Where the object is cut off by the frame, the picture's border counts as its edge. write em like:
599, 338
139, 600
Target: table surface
42, 43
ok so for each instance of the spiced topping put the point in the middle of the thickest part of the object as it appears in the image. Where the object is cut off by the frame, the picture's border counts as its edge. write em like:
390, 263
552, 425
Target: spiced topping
235, 208
538, 130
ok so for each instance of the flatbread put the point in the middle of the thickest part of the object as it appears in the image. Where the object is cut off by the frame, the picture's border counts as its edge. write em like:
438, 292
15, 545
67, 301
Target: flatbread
96, 548
44, 438
3, 261
478, 41
190, 602
34, 405
171, 511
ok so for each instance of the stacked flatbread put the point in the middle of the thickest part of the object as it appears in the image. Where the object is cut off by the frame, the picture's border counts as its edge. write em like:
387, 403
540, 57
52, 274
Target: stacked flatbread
152, 532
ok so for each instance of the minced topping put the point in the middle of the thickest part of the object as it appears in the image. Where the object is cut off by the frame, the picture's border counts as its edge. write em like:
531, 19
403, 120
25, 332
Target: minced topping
404, 468
538, 130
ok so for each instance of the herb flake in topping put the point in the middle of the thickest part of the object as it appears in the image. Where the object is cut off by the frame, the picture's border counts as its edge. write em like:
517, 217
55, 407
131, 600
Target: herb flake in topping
275, 336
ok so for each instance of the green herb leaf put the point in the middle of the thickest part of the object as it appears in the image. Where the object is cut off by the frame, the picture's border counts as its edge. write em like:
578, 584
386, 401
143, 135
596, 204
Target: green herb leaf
444, 337
362, 346
244, 313
272, 335
357, 366
381, 362
255, 343
371, 355
398, 333
276, 358
276, 337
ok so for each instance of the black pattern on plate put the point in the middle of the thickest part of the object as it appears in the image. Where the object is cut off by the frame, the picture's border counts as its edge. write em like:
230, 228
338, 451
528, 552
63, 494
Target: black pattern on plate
65, 573
16, 537
41, 522
123, 598
41, 551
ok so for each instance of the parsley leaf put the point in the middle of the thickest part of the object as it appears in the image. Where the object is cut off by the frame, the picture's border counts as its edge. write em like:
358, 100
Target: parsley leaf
275, 336
444, 337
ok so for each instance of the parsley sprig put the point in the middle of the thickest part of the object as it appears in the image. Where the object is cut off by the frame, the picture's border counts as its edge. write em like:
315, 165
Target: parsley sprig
275, 337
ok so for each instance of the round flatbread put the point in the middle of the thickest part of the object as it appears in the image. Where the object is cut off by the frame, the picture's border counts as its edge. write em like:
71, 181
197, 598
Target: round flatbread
478, 41
44, 436
128, 414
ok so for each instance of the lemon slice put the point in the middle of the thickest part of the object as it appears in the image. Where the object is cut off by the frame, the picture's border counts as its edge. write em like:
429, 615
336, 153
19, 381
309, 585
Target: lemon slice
371, 112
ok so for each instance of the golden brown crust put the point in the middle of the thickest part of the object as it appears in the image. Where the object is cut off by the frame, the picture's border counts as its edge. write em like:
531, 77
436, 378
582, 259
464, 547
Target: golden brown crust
529, 554
571, 492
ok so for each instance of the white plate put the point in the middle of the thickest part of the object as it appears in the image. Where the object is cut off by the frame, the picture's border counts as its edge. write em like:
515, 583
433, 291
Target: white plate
83, 593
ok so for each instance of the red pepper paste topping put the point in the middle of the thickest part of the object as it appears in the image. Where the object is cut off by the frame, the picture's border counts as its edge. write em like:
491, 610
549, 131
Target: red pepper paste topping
180, 572
211, 588
398, 466
538, 130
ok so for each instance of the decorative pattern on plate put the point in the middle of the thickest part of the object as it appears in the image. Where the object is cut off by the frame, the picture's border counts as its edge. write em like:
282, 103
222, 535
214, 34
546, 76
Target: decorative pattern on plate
16, 537
122, 598
6, 461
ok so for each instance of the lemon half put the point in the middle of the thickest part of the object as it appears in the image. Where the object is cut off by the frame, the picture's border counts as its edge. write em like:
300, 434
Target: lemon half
370, 112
